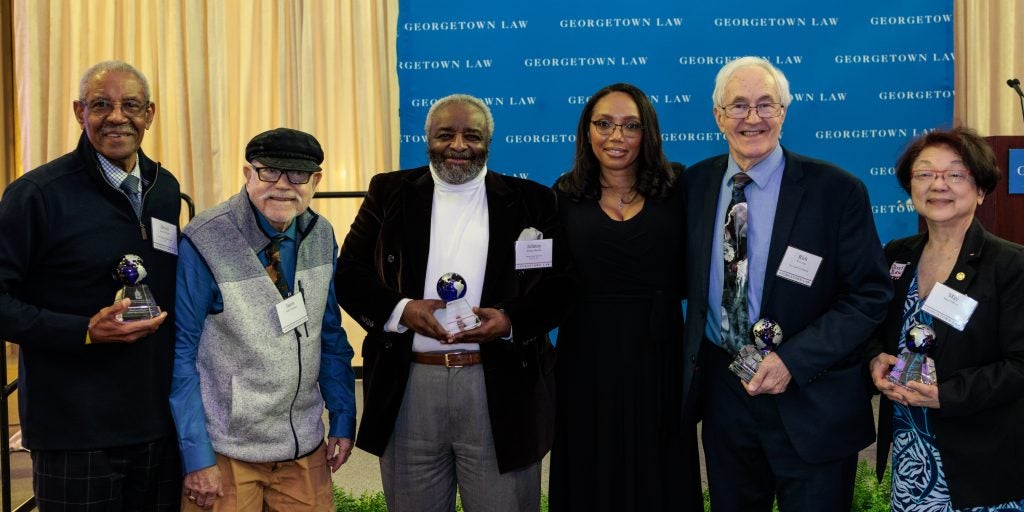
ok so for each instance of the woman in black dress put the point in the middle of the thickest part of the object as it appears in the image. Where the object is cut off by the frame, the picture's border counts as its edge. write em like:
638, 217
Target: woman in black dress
621, 442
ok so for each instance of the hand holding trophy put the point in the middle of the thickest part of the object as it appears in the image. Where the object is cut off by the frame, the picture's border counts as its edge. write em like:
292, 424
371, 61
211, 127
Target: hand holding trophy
914, 364
766, 335
130, 273
458, 314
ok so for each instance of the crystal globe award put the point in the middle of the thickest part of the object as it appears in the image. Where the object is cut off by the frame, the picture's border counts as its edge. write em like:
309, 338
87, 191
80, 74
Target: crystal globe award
130, 273
914, 364
458, 314
766, 335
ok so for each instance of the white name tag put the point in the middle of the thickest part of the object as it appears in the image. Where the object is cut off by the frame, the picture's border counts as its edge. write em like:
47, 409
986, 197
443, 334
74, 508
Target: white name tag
291, 312
799, 266
950, 306
165, 236
533, 254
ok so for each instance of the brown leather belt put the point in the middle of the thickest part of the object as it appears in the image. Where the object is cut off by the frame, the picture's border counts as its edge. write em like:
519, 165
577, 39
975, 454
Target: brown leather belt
448, 360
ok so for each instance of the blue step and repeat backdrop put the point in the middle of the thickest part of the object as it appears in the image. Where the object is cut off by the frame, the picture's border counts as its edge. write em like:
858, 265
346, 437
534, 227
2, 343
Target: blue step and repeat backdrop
866, 76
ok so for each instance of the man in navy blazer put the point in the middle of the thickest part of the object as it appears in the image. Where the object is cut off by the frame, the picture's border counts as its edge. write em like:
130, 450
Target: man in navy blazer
473, 410
815, 267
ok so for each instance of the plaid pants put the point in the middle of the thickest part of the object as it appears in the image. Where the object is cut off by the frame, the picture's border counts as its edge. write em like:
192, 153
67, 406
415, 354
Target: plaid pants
128, 478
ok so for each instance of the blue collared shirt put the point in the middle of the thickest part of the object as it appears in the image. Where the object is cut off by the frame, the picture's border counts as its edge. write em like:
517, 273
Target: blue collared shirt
198, 296
762, 199
115, 175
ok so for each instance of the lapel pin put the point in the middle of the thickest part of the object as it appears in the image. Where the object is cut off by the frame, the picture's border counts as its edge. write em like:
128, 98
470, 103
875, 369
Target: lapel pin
960, 276
896, 270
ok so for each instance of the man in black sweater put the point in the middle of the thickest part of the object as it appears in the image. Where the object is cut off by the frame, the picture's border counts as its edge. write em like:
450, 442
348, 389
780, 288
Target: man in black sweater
93, 388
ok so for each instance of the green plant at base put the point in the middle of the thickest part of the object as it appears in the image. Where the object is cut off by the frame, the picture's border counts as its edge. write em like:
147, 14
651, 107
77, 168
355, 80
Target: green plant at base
367, 502
868, 496
374, 502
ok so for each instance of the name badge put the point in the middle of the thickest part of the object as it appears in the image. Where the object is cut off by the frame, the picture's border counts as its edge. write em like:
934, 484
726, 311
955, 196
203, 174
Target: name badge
950, 306
165, 236
799, 266
291, 312
533, 254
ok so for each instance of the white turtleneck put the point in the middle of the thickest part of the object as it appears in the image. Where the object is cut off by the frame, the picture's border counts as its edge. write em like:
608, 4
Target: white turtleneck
459, 232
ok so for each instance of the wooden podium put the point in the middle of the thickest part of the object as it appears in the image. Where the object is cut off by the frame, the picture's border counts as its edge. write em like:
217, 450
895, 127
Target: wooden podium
1002, 213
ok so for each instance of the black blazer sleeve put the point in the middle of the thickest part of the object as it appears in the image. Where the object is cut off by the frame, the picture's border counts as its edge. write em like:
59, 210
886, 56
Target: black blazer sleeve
363, 292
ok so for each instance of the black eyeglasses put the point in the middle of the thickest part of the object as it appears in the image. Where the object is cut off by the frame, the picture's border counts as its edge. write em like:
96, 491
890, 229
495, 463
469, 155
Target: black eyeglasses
630, 130
101, 107
271, 175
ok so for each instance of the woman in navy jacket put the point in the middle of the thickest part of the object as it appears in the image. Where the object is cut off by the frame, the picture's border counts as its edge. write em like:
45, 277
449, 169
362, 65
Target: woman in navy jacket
957, 443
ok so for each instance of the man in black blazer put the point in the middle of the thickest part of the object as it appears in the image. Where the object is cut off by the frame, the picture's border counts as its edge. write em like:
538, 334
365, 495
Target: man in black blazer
444, 407
814, 266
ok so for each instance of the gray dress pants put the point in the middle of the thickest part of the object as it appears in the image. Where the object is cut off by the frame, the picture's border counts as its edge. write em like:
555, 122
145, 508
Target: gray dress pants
442, 442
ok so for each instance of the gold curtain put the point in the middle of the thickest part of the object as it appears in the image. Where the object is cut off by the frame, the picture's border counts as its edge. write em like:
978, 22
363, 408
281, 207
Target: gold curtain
220, 71
989, 46
7, 146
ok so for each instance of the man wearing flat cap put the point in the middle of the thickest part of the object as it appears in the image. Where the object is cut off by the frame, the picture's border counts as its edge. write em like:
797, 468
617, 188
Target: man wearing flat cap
260, 350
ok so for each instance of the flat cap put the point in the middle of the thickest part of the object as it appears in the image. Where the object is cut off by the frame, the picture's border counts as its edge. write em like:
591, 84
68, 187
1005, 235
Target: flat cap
285, 148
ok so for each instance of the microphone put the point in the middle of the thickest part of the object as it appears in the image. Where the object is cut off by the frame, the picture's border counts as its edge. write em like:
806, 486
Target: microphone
1015, 84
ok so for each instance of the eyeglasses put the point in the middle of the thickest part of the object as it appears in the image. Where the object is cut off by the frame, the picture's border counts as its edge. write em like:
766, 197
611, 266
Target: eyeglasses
101, 107
954, 177
271, 175
742, 110
630, 130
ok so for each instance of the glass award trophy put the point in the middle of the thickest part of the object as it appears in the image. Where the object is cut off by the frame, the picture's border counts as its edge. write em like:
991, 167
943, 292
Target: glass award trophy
766, 335
130, 273
458, 314
914, 364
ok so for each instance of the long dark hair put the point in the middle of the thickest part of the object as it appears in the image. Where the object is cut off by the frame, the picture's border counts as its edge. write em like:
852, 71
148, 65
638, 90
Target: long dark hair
654, 177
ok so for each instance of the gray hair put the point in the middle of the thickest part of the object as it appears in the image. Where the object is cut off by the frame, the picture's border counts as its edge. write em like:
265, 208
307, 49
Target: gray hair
462, 99
108, 66
731, 67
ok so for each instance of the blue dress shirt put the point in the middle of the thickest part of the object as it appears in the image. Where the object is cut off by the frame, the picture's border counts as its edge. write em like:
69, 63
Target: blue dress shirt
762, 198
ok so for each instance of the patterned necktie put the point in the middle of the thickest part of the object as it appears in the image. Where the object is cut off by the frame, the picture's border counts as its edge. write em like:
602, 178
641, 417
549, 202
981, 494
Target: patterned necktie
734, 286
130, 186
274, 265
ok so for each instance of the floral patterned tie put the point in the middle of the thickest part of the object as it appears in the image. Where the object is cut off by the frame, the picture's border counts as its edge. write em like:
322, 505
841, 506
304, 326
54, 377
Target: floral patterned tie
274, 265
734, 287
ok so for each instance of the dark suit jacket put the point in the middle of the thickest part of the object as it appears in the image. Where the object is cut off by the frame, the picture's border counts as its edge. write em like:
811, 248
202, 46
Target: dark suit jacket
979, 428
823, 210
384, 259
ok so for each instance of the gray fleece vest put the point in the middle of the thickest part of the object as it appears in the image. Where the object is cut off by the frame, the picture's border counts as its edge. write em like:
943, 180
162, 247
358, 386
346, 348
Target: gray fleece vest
259, 386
